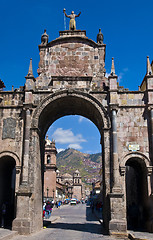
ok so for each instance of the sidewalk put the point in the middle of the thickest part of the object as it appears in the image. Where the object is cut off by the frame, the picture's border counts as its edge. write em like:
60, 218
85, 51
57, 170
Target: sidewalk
133, 235
140, 235
6, 234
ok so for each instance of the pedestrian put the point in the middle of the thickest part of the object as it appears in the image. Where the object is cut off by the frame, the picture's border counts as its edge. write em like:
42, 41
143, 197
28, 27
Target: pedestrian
56, 204
3, 210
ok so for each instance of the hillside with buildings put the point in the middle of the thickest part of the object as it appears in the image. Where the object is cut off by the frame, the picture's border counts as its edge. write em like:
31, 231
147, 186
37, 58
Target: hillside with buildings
89, 165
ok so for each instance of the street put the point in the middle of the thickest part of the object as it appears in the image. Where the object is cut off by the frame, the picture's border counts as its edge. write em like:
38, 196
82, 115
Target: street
73, 222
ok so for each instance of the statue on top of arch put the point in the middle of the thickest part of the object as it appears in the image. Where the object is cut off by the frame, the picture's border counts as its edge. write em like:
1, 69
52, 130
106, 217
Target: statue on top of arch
72, 16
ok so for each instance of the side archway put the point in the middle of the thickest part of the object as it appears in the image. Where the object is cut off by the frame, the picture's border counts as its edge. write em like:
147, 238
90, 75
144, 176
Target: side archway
135, 166
9, 163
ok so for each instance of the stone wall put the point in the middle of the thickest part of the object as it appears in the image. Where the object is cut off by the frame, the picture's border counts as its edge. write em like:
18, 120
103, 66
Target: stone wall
75, 57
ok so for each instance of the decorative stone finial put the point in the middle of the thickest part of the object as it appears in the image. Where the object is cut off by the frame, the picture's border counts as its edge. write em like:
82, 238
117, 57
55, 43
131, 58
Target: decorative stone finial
113, 67
30, 80
30, 72
44, 38
72, 16
100, 37
149, 70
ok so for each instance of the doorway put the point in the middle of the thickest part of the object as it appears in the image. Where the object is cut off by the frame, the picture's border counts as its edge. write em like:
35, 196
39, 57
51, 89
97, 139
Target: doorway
7, 191
136, 194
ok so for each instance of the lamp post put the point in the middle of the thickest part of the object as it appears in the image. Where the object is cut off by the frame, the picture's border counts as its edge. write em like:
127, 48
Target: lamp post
47, 191
53, 193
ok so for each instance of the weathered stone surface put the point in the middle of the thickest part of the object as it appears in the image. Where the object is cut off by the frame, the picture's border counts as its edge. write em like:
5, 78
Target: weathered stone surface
9, 127
72, 81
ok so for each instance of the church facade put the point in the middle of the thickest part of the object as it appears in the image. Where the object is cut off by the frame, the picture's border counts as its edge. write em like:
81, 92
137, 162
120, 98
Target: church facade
71, 81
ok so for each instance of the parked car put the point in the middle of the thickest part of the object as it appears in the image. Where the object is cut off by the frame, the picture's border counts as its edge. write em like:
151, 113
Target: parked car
73, 201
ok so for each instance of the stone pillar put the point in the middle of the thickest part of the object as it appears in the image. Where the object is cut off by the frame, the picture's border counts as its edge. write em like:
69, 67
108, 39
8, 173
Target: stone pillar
115, 164
149, 174
23, 223
26, 147
29, 197
118, 223
105, 142
37, 147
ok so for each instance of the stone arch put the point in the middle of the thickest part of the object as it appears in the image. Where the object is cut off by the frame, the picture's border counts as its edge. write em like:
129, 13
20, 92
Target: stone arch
51, 108
15, 157
12, 155
135, 169
142, 158
73, 102
138, 155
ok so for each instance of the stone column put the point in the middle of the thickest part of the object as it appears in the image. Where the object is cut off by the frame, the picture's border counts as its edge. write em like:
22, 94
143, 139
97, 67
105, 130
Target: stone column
115, 164
117, 223
105, 142
36, 150
26, 147
149, 174
23, 223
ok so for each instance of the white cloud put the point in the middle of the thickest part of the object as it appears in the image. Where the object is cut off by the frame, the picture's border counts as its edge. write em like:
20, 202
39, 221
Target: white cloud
120, 77
81, 119
121, 74
75, 146
60, 150
67, 137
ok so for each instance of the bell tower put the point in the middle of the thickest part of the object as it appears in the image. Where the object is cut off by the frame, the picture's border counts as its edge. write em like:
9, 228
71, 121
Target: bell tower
77, 185
50, 169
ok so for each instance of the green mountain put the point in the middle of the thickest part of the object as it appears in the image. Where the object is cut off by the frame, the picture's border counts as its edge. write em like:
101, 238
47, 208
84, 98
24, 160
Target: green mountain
89, 165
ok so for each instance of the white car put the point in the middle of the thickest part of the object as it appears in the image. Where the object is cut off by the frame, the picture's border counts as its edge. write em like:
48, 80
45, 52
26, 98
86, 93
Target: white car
73, 201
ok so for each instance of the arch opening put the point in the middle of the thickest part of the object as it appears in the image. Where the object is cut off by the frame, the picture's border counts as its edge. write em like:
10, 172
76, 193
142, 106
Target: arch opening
7, 191
136, 194
65, 103
74, 136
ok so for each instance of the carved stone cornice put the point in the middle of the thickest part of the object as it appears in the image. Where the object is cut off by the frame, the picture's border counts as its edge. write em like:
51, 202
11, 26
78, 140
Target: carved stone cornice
115, 195
24, 190
114, 106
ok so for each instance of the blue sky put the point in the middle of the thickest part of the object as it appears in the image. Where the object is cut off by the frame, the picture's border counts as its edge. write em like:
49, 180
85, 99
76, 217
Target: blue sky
126, 26
75, 132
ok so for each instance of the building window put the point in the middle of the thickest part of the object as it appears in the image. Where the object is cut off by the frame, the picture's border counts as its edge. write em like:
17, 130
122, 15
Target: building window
48, 159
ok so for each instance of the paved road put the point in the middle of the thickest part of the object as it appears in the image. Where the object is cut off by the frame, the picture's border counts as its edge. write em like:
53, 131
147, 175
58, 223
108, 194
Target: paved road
75, 223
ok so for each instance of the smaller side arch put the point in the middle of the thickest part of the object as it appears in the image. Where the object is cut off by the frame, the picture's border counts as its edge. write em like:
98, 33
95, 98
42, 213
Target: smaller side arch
138, 155
12, 155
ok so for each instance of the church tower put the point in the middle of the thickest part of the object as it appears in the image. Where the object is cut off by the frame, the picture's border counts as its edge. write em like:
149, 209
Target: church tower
50, 169
77, 185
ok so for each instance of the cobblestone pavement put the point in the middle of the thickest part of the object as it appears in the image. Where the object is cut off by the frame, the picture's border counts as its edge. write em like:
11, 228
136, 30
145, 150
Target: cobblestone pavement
75, 223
